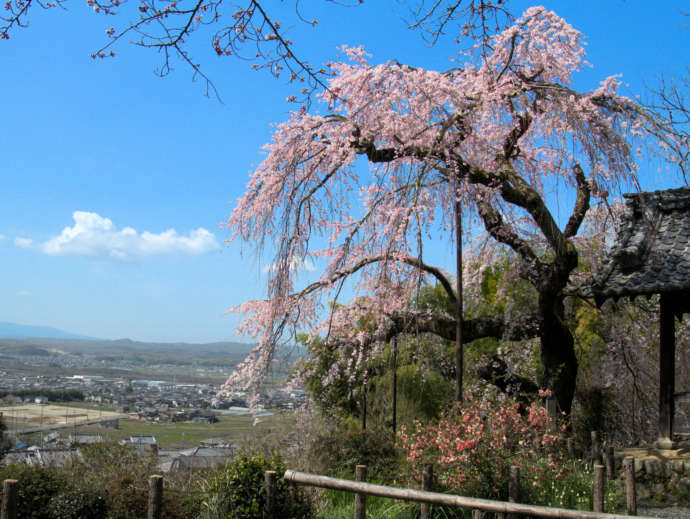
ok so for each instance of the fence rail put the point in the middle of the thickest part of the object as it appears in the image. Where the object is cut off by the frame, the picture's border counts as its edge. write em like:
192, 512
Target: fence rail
502, 508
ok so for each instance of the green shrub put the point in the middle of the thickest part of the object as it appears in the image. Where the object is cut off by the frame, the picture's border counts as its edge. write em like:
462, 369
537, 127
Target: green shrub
340, 451
78, 504
236, 491
35, 489
122, 477
117, 472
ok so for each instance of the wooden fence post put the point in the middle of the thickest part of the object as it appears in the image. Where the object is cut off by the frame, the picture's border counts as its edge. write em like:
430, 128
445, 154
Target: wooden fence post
9, 499
155, 497
610, 463
598, 504
596, 454
630, 495
270, 493
514, 488
360, 499
427, 479
477, 514
571, 448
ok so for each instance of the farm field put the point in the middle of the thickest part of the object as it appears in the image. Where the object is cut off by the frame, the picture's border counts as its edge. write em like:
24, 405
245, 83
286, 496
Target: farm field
37, 415
170, 435
180, 435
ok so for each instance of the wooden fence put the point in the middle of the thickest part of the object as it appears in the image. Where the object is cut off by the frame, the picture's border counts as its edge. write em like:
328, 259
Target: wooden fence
359, 487
502, 509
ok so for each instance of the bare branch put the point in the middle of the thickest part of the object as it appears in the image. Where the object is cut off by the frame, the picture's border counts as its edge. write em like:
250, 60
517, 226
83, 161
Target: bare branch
581, 203
477, 20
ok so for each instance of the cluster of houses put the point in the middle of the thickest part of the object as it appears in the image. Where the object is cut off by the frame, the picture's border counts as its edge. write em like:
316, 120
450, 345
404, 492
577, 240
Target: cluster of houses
154, 400
57, 451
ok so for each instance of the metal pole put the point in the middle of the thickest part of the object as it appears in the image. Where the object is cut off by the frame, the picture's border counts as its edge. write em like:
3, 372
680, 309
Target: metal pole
364, 405
395, 385
459, 353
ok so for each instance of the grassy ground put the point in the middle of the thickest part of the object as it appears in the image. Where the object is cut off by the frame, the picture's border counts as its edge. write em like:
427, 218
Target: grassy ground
181, 435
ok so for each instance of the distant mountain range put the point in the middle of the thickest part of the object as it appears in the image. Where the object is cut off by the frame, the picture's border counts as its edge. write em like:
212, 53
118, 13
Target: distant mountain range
14, 337
25, 331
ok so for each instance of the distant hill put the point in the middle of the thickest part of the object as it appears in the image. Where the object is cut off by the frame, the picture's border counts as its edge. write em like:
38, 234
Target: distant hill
25, 331
29, 340
236, 350
22, 349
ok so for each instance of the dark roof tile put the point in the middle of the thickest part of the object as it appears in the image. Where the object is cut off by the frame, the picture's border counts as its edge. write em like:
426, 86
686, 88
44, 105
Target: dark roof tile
652, 250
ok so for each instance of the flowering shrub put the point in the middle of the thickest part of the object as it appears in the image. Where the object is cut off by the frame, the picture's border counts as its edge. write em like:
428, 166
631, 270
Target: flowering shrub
473, 447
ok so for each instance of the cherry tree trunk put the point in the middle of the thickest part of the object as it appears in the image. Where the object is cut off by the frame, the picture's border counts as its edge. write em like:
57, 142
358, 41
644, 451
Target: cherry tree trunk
557, 352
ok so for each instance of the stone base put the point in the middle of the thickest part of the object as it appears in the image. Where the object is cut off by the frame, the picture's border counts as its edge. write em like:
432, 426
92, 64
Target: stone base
665, 444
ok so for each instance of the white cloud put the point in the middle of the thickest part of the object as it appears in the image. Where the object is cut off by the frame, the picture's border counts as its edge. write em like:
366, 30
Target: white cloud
2, 237
24, 243
305, 265
23, 293
94, 235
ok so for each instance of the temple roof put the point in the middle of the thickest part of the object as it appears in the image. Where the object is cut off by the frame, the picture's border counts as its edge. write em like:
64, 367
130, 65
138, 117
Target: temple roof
651, 254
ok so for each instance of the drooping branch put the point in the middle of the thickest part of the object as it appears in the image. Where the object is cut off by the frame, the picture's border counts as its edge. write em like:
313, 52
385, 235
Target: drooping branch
407, 259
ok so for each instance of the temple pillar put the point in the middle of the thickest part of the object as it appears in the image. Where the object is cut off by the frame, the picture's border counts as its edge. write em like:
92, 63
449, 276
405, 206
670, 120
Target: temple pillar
667, 361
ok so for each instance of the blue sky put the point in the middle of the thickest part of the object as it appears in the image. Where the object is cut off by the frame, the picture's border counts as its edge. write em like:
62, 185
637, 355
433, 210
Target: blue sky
114, 181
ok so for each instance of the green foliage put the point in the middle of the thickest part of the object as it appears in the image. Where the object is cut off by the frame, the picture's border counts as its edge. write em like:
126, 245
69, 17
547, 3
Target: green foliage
36, 488
340, 451
122, 477
424, 386
117, 472
589, 332
236, 491
572, 489
336, 398
78, 504
423, 393
341, 506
